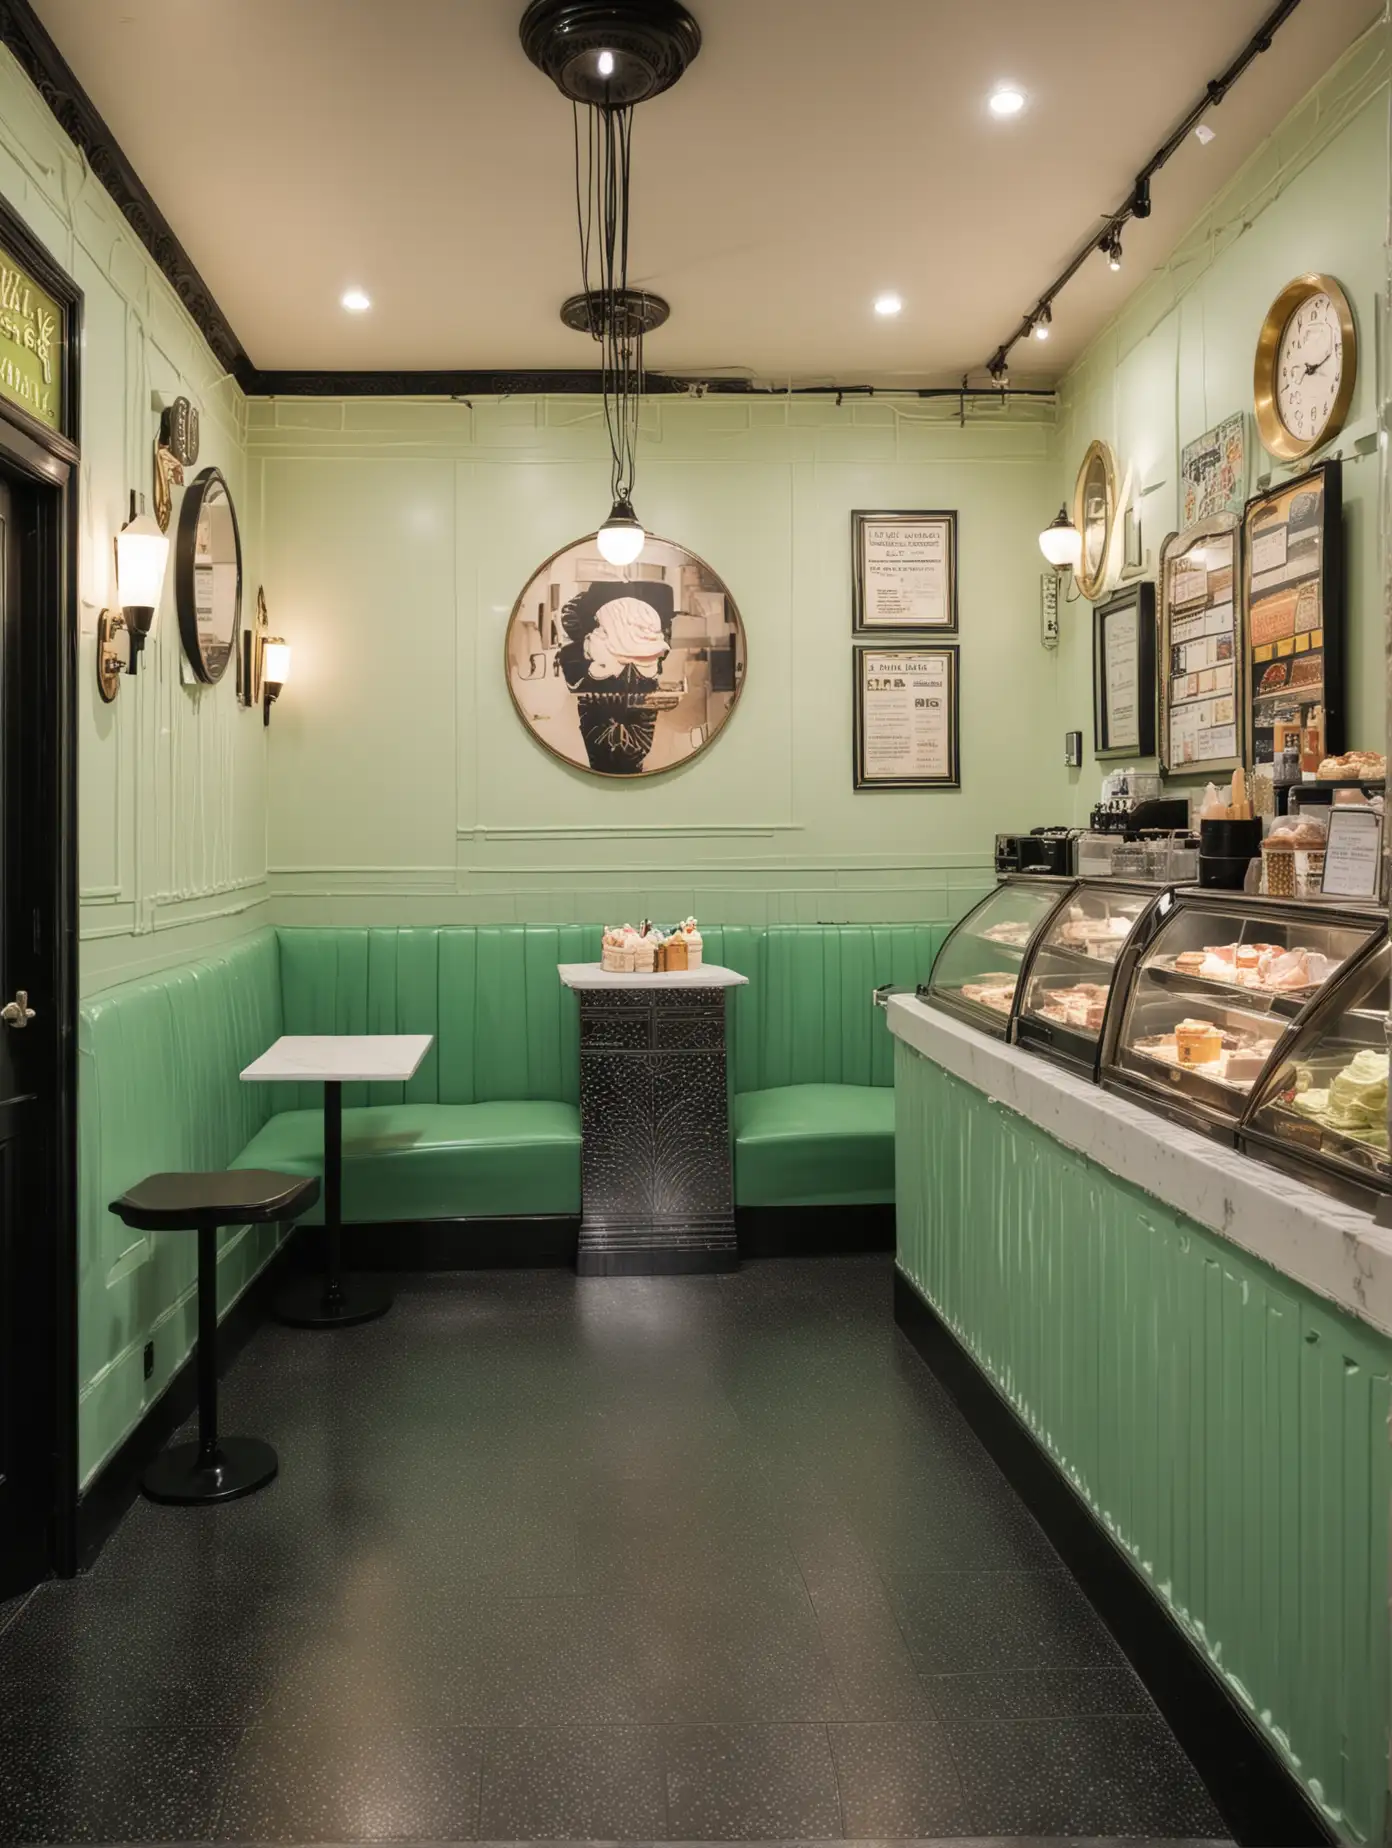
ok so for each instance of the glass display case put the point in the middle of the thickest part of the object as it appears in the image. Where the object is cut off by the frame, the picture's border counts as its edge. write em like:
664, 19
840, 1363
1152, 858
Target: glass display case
1214, 993
1321, 1111
1070, 978
978, 969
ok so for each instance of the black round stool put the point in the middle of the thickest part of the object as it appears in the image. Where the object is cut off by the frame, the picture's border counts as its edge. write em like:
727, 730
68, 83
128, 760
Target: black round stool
214, 1469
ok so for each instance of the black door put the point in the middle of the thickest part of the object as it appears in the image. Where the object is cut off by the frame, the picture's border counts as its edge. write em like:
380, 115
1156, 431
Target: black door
26, 1353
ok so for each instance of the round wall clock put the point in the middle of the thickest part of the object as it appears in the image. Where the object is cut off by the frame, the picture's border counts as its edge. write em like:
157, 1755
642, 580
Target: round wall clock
1306, 367
625, 670
1095, 516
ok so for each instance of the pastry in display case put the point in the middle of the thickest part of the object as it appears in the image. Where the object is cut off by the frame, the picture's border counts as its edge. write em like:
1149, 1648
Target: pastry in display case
1214, 993
978, 969
1321, 1112
1069, 982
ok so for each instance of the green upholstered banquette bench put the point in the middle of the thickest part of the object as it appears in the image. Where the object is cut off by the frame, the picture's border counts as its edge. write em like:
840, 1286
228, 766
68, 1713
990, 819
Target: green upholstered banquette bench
489, 1127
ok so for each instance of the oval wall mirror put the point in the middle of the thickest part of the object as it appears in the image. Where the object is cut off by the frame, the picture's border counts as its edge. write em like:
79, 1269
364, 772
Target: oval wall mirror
208, 575
625, 670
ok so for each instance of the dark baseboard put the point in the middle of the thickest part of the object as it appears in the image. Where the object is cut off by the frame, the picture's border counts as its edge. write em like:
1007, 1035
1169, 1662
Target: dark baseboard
813, 1231
116, 1485
455, 1244
1260, 1801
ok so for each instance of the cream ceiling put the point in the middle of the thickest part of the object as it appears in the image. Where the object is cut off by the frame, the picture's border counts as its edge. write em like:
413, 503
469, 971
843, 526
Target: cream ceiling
817, 152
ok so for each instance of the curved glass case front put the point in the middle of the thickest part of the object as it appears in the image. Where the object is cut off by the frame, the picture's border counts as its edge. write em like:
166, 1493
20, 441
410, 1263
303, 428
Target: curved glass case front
978, 969
1215, 992
1323, 1106
1064, 1006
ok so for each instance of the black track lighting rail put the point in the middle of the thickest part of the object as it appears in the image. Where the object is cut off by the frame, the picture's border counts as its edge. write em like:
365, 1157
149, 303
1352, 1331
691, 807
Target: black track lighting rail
1108, 240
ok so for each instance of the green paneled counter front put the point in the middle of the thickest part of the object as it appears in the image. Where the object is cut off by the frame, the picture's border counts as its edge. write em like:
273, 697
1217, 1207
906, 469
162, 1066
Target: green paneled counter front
489, 1127
1226, 1423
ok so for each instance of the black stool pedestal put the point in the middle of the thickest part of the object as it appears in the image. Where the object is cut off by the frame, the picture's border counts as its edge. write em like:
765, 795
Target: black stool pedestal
213, 1468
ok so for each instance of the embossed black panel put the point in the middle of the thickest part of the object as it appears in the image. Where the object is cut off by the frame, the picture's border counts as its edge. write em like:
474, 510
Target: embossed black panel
658, 1188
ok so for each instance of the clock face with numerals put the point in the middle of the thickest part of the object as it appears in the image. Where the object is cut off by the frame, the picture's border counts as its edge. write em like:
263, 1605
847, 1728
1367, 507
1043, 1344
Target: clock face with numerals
1307, 359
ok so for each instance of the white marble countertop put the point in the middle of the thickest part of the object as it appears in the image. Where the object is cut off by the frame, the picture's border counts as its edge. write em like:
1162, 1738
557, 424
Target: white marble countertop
341, 1058
594, 975
1333, 1249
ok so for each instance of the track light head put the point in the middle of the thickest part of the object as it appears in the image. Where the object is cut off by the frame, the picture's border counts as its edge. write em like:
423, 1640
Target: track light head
1140, 199
1111, 249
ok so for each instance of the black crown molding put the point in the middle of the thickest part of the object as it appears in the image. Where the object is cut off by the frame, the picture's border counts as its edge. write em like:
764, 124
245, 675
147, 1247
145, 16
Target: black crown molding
24, 35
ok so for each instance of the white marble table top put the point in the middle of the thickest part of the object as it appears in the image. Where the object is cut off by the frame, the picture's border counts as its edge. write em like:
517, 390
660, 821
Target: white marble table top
342, 1058
1333, 1249
594, 975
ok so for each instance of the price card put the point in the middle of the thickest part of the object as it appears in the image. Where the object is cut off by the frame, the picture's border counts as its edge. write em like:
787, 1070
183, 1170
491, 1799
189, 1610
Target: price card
1353, 855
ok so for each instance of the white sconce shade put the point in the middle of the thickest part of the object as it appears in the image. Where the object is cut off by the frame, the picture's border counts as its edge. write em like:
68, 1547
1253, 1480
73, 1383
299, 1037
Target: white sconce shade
275, 663
1061, 542
621, 538
142, 557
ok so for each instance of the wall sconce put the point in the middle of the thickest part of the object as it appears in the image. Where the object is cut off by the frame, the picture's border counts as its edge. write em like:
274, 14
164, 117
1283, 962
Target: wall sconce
113, 653
142, 557
275, 671
1061, 542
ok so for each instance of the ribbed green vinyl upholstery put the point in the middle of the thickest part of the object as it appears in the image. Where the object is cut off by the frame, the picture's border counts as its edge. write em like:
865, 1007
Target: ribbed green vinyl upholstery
504, 1027
813, 1113
158, 1089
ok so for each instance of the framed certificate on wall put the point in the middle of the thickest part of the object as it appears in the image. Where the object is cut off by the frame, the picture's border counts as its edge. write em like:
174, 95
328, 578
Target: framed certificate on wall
906, 734
1123, 673
904, 572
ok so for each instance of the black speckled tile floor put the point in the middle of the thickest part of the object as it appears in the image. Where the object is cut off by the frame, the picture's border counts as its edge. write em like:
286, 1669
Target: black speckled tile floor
687, 1559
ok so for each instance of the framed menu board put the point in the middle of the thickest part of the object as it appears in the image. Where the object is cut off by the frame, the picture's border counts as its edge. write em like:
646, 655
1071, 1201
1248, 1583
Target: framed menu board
906, 734
1123, 673
1292, 613
904, 573
1202, 708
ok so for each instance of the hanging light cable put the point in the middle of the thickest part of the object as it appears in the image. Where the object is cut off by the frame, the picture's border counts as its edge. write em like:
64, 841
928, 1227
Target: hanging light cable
603, 191
607, 56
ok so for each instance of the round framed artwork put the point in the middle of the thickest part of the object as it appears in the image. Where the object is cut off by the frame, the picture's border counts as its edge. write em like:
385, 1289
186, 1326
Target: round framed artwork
208, 575
625, 670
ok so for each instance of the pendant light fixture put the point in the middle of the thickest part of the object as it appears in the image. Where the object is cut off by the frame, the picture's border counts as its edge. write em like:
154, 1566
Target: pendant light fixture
607, 56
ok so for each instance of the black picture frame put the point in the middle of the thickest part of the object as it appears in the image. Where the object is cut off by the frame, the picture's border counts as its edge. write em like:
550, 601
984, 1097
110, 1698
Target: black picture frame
1140, 598
862, 653
1263, 616
208, 666
861, 520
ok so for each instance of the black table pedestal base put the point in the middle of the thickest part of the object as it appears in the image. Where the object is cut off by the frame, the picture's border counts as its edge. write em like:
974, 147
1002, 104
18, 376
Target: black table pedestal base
315, 1302
658, 1194
184, 1476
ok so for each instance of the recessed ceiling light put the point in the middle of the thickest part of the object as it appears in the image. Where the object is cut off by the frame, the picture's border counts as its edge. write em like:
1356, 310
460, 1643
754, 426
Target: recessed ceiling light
355, 301
1204, 133
1006, 100
888, 304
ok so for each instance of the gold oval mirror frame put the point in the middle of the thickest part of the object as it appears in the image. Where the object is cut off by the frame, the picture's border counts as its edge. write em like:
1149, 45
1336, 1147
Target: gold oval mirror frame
1095, 515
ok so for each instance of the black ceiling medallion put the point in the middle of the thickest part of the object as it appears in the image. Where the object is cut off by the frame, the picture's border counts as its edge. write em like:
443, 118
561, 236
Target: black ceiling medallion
613, 53
636, 311
24, 35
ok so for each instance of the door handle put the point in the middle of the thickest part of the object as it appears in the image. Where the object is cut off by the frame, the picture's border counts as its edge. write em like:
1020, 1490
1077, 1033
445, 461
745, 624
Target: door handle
17, 1013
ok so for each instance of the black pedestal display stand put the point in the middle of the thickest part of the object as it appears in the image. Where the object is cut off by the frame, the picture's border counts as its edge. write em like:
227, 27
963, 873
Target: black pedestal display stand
658, 1184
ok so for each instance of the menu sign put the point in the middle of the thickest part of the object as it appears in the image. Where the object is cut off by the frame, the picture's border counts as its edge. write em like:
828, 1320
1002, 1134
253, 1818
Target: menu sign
1292, 617
906, 718
905, 571
32, 345
1353, 855
1199, 650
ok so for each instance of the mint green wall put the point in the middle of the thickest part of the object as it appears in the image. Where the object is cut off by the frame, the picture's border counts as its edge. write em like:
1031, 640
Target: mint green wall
1227, 1428
172, 802
1179, 356
397, 536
